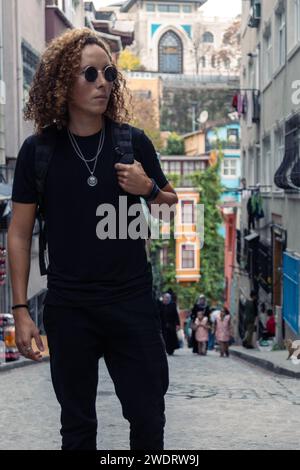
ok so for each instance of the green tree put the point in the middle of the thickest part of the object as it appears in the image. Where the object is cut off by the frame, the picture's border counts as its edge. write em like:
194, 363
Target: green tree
175, 145
212, 254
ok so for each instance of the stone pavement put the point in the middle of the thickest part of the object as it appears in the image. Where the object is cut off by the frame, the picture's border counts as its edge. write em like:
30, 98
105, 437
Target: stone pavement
212, 403
274, 361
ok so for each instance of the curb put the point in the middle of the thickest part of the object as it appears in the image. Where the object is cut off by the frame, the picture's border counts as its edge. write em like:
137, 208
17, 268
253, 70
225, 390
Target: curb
265, 364
22, 362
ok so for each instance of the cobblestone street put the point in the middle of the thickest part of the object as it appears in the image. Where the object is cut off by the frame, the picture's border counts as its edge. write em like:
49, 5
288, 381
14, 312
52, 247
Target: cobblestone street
212, 403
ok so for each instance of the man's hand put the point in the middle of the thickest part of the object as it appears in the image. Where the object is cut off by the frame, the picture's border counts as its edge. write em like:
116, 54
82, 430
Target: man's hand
133, 179
25, 331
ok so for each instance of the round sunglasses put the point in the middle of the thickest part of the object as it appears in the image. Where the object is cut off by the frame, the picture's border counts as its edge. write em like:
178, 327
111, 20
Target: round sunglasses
91, 73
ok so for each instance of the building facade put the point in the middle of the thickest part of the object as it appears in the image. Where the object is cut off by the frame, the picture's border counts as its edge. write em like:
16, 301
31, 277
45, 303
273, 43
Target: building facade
269, 243
24, 38
175, 37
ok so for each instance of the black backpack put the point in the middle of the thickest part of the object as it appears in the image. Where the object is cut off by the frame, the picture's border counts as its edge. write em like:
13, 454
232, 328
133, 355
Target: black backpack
45, 146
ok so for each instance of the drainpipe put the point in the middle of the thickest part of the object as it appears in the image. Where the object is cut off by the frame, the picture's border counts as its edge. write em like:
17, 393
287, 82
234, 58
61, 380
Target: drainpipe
19, 77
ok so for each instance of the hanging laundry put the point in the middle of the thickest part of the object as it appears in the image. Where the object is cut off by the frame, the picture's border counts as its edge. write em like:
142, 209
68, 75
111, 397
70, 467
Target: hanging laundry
235, 102
251, 219
256, 203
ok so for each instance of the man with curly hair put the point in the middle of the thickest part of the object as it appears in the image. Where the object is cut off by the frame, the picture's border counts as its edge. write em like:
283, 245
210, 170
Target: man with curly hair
99, 301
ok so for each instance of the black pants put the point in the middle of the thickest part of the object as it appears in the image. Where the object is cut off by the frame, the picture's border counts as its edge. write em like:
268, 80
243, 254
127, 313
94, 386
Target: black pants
128, 335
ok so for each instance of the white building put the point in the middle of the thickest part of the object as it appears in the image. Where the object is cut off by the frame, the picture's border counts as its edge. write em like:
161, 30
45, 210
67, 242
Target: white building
174, 36
270, 157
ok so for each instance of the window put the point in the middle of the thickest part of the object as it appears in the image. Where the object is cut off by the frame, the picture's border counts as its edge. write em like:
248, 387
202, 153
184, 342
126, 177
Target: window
170, 53
227, 63
174, 167
150, 7
279, 147
187, 8
229, 167
30, 61
164, 256
213, 62
187, 212
281, 38
168, 8
268, 63
203, 62
266, 162
187, 256
174, 8
208, 37
188, 168
233, 136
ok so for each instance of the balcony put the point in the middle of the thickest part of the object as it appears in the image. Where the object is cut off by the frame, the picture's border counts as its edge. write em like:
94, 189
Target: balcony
181, 181
255, 14
225, 145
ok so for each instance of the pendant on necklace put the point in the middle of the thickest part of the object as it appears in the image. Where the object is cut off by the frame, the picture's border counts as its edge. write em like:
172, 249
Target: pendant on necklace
92, 181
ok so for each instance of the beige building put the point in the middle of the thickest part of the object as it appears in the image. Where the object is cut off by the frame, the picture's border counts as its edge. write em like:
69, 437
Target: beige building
270, 245
149, 89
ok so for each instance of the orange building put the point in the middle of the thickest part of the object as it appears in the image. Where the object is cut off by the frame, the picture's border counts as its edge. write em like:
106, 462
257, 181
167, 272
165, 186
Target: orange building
187, 238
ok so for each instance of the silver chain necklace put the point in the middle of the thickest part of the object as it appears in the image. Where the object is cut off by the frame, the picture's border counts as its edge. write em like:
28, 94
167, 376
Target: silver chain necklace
92, 179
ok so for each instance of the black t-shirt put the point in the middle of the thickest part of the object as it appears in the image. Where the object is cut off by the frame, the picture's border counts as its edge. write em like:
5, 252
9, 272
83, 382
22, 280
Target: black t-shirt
84, 269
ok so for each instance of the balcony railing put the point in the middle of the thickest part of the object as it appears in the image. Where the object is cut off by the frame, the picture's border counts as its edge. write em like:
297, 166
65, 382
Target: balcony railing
181, 181
188, 79
224, 146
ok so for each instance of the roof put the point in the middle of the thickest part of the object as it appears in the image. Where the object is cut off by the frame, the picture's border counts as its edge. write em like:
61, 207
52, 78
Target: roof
129, 3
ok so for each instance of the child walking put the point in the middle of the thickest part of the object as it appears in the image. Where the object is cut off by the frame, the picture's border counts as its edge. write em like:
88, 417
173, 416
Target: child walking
202, 327
223, 331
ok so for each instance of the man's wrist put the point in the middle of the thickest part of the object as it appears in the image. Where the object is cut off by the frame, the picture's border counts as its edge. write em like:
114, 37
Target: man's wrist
148, 188
153, 193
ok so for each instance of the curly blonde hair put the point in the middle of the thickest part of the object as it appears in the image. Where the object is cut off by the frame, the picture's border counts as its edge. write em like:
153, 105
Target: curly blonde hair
57, 69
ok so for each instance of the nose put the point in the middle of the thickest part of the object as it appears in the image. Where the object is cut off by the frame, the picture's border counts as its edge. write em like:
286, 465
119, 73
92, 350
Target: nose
100, 81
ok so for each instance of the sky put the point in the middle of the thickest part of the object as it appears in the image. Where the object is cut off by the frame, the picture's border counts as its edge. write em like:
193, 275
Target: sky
223, 8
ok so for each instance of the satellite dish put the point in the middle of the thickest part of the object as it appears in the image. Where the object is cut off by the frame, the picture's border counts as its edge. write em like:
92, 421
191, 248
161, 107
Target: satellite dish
203, 117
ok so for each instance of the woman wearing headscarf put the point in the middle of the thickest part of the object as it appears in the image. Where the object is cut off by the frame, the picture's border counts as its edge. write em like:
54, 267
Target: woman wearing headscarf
170, 323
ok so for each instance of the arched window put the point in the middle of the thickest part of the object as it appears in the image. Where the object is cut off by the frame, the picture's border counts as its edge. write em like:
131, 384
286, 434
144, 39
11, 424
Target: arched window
208, 37
170, 53
227, 63
203, 62
213, 62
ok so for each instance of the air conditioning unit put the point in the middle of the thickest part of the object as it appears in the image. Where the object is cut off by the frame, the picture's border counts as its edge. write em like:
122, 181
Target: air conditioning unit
255, 14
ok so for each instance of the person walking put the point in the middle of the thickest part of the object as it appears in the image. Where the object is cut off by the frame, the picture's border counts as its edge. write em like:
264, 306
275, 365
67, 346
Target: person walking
99, 301
251, 313
223, 331
201, 329
170, 323
200, 304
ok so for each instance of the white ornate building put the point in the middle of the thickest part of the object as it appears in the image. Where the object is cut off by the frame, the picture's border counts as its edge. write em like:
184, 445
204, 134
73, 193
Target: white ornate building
174, 36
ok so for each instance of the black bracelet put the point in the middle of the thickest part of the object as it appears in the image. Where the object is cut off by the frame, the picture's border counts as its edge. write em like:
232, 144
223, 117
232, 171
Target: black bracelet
19, 306
154, 191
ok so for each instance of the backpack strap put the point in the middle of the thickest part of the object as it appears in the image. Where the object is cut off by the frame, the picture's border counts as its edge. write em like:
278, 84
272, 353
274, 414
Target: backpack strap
45, 145
122, 142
